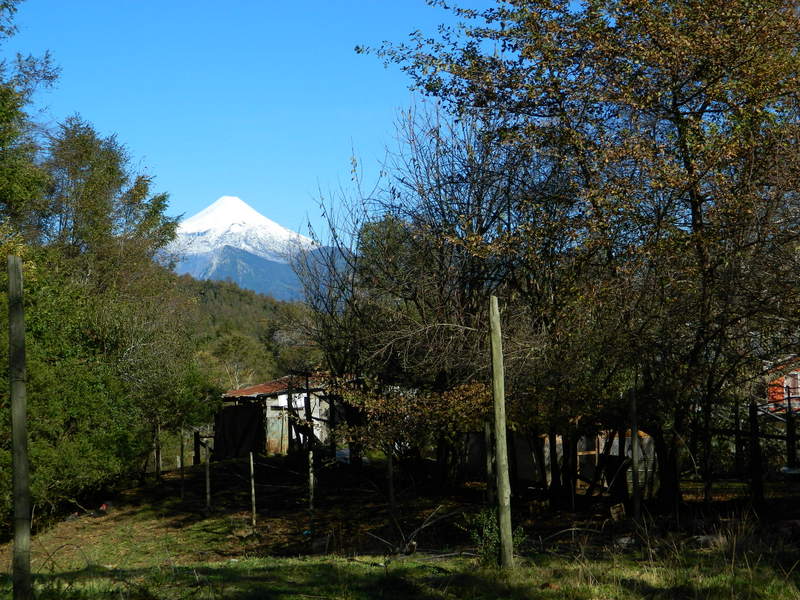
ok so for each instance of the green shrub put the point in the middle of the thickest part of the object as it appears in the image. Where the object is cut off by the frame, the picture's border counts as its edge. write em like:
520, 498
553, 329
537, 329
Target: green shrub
484, 530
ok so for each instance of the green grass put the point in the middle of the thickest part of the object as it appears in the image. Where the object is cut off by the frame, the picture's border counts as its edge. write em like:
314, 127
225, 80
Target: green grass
340, 578
688, 574
154, 546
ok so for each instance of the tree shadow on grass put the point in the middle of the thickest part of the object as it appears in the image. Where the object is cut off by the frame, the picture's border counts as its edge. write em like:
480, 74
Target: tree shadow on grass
281, 582
679, 591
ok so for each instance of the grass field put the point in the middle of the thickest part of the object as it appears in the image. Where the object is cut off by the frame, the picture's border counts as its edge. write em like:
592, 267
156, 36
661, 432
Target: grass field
154, 545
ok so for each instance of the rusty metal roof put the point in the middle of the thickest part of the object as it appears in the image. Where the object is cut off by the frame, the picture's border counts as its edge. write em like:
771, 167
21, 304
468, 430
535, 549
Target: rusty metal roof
275, 387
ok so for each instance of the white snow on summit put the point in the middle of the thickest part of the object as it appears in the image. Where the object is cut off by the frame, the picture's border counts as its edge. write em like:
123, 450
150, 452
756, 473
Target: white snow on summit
232, 222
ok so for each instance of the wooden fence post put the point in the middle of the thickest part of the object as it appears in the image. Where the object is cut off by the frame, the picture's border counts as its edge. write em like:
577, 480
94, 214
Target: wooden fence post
253, 490
310, 446
180, 461
738, 440
22, 582
618, 486
196, 458
637, 497
555, 490
602, 463
292, 418
756, 481
501, 452
208, 479
791, 434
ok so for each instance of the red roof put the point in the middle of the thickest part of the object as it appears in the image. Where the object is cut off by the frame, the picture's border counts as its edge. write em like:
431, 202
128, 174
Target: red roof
275, 387
775, 390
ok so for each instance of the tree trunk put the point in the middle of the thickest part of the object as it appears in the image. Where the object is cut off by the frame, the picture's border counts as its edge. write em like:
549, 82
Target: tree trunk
619, 479
196, 458
602, 464
668, 451
21, 576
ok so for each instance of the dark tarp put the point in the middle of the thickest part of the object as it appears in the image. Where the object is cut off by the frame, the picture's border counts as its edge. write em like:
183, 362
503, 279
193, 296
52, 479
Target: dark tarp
238, 430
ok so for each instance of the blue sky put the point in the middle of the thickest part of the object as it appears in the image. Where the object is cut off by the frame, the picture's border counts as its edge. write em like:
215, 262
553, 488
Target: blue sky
261, 99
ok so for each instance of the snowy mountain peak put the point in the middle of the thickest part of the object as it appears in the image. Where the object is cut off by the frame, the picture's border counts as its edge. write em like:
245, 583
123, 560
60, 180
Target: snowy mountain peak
232, 222
226, 211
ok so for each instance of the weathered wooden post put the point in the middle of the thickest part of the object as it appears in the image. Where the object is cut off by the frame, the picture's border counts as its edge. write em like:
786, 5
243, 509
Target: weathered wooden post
756, 481
253, 490
196, 458
791, 434
555, 491
501, 449
738, 440
208, 479
180, 460
637, 497
619, 489
22, 582
602, 463
292, 418
310, 446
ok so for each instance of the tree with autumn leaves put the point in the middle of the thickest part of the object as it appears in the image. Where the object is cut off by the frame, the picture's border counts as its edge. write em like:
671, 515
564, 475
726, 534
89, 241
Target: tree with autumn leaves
627, 183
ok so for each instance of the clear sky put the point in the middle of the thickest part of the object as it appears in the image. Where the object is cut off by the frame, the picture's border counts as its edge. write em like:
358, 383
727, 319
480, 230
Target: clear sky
262, 99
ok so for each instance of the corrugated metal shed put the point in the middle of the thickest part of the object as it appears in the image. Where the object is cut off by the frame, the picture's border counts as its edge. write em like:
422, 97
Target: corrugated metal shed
275, 387
282, 415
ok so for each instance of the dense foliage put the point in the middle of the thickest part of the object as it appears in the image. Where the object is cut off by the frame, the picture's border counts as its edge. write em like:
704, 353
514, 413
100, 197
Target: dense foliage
120, 350
623, 173
244, 337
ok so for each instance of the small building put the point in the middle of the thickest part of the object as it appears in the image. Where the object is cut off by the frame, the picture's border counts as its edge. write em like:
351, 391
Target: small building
270, 418
783, 391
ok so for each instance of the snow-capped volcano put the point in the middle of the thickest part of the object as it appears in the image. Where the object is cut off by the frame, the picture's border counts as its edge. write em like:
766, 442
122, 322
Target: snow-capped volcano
232, 222
230, 240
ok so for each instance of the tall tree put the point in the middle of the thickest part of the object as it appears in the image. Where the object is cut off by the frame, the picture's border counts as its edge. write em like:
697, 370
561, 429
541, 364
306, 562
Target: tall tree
673, 126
